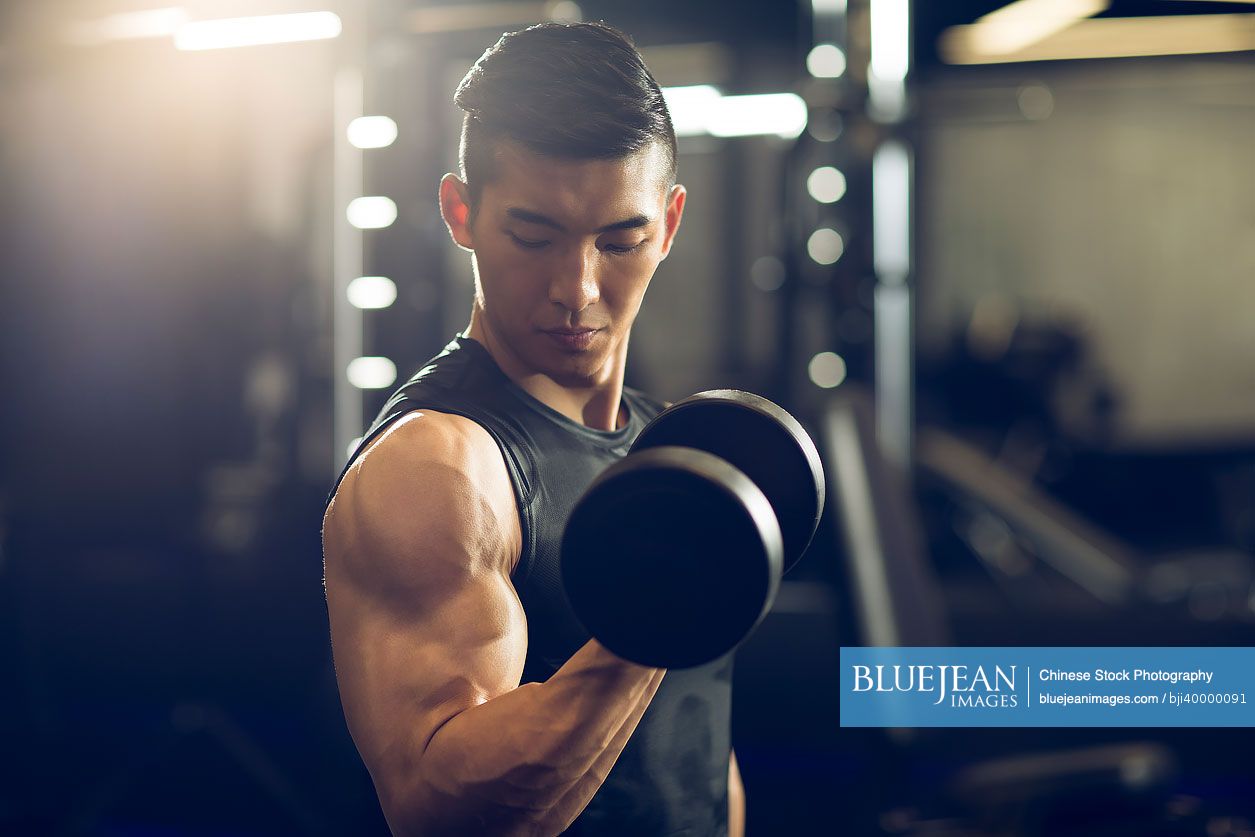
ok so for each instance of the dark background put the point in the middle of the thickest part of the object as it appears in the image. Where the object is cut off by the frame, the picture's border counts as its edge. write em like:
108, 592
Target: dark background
1083, 240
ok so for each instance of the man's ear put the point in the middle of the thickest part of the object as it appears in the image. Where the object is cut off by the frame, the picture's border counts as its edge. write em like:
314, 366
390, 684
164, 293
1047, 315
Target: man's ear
455, 209
674, 211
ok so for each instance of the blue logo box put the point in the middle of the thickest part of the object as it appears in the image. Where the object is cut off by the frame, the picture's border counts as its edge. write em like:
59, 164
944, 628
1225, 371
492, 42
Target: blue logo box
1047, 687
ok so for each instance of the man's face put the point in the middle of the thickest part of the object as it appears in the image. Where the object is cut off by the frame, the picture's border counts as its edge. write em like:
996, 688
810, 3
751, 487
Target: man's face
563, 252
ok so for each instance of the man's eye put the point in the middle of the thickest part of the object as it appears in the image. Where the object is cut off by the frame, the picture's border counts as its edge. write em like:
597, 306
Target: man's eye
623, 248
527, 244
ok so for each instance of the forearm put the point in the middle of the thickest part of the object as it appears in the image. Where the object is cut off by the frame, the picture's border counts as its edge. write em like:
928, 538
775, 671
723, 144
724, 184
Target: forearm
576, 799
529, 760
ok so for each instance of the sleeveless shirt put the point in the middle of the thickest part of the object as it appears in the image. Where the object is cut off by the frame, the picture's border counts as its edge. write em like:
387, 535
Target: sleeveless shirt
672, 776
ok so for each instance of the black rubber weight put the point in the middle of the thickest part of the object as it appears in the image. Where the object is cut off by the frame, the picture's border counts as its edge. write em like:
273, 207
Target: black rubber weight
762, 440
671, 558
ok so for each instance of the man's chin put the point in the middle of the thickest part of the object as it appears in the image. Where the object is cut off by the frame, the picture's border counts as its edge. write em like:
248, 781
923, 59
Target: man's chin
577, 375
577, 370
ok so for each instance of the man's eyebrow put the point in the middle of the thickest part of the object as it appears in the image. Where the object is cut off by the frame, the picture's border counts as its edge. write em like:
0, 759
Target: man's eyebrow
627, 224
530, 217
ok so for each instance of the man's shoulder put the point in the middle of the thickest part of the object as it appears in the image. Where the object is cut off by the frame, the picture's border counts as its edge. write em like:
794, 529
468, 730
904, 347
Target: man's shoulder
421, 453
461, 380
428, 437
429, 483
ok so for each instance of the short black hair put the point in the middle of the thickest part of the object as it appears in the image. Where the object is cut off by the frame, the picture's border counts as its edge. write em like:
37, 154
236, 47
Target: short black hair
574, 90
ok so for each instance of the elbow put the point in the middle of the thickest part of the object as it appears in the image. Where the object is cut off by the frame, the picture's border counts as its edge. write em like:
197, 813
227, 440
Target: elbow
414, 810
413, 805
406, 807
420, 807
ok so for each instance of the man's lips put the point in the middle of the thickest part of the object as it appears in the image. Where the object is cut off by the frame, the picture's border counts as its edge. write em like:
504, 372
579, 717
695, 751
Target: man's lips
572, 340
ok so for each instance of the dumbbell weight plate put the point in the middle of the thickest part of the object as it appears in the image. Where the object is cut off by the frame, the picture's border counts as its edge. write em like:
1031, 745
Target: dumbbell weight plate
761, 440
671, 557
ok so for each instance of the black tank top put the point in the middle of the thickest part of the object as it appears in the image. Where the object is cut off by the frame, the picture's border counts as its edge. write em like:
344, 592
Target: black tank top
672, 777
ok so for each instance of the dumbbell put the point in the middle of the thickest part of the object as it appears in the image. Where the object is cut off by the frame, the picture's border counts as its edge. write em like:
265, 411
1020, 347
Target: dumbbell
674, 553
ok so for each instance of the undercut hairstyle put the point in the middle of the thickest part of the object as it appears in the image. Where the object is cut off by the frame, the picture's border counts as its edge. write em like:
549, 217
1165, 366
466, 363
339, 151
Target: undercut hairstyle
567, 90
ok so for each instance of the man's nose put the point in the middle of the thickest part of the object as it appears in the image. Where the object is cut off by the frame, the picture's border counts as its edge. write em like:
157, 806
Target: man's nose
575, 285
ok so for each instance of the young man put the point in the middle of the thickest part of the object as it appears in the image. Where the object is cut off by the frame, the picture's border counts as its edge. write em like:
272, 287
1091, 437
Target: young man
477, 700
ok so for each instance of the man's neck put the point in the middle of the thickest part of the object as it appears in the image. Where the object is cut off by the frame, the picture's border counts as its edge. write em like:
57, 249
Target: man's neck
598, 405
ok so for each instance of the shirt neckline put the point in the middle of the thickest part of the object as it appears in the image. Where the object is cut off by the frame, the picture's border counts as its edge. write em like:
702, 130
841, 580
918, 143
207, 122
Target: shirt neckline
612, 437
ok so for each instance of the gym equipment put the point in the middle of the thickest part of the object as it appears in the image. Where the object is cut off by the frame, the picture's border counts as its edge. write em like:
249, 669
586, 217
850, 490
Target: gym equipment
674, 554
761, 440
